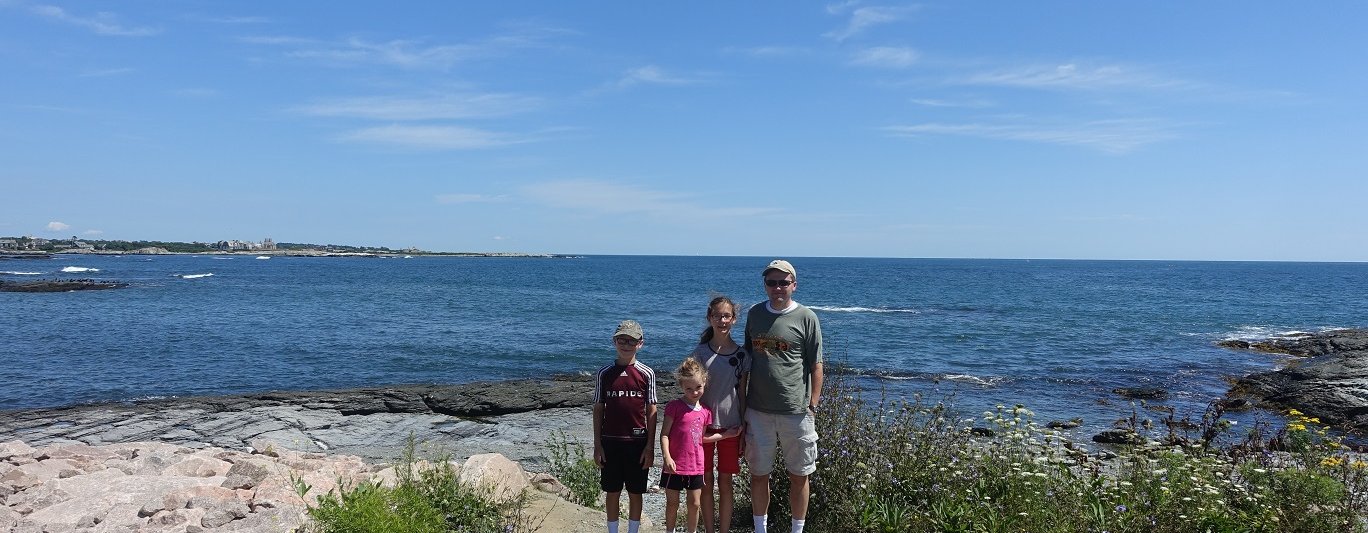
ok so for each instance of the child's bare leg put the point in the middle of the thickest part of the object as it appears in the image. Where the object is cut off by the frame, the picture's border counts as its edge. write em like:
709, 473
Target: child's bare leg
611, 505
707, 510
725, 501
671, 509
691, 519
634, 506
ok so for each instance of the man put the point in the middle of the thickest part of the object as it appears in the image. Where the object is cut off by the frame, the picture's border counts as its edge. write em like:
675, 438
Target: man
784, 339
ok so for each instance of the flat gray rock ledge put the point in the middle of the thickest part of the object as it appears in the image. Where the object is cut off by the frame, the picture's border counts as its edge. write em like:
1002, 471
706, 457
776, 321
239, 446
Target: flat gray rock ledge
514, 418
1330, 382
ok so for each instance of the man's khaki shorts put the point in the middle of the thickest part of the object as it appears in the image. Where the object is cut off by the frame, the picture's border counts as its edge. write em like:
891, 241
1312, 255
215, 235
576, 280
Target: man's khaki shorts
796, 434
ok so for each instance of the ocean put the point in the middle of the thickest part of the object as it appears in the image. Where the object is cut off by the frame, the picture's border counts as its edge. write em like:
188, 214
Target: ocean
1056, 336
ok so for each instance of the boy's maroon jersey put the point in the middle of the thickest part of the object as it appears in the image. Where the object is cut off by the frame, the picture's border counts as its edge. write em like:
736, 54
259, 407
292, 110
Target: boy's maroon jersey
625, 392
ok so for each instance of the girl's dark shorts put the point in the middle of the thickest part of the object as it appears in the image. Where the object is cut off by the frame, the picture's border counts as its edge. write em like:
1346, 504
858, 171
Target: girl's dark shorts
622, 466
680, 481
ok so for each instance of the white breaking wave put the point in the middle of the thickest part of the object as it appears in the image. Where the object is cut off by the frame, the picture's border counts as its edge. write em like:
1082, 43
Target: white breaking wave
861, 309
966, 378
79, 269
263, 257
1258, 333
193, 276
21, 273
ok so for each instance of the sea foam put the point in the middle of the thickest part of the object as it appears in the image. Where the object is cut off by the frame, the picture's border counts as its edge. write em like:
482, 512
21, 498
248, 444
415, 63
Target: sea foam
79, 269
12, 273
856, 309
193, 276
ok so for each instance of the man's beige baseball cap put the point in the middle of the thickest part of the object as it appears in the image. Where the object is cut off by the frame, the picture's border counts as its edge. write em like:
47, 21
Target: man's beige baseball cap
782, 266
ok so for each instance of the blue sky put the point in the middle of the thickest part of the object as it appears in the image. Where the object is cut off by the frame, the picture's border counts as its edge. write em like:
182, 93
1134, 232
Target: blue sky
1108, 130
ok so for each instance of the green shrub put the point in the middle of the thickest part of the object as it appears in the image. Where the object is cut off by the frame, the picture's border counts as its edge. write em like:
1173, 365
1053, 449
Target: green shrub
428, 499
575, 469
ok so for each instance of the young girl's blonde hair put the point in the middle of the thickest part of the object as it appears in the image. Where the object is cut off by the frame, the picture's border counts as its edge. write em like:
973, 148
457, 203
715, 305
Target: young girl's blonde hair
691, 369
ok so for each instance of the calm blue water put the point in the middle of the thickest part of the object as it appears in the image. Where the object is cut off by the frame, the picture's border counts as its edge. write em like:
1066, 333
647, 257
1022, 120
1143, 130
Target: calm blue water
1057, 336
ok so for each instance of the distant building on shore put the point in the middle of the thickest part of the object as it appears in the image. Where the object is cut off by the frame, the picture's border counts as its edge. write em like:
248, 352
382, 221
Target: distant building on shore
236, 245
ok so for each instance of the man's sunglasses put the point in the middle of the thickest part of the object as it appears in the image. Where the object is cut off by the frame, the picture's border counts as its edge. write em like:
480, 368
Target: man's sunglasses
778, 282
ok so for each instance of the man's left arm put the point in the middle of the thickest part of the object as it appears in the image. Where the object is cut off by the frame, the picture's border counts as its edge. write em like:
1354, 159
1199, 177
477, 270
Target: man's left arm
818, 375
817, 378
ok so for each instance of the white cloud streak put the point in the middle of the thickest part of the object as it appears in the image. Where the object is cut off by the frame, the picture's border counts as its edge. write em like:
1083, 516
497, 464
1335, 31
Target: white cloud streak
102, 23
1109, 136
447, 106
430, 137
403, 53
1072, 76
466, 198
606, 198
57, 226
863, 18
652, 75
886, 57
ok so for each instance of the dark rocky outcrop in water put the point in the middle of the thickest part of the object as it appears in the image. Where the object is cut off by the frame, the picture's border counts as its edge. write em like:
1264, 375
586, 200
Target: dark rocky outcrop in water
1330, 382
59, 285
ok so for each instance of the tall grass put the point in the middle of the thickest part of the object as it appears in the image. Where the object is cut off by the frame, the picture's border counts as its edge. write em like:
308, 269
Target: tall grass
909, 465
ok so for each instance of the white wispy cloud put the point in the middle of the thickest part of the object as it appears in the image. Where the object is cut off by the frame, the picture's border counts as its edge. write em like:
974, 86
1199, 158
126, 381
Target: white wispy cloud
608, 198
444, 106
431, 137
467, 198
408, 53
766, 51
1110, 136
1072, 76
57, 226
92, 232
102, 73
238, 20
863, 18
652, 75
101, 23
886, 57
278, 40
938, 102
195, 92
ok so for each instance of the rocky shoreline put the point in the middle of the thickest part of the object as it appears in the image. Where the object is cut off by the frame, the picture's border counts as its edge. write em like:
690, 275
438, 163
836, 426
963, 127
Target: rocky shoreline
1328, 379
59, 285
176, 461
513, 417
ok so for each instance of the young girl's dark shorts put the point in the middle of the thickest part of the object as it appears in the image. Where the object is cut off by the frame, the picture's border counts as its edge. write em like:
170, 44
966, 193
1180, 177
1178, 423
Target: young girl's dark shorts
680, 481
622, 466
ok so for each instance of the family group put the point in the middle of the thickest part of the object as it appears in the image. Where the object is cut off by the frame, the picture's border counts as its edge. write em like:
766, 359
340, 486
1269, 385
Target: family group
753, 400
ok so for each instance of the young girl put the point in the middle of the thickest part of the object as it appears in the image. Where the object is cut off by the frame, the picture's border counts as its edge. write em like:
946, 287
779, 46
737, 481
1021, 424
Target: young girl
681, 444
728, 368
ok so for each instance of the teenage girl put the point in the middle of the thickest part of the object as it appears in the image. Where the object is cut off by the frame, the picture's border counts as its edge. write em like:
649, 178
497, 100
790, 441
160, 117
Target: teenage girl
728, 368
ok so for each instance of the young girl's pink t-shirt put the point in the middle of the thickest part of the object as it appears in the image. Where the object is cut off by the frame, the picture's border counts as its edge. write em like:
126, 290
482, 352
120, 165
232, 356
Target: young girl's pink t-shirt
686, 436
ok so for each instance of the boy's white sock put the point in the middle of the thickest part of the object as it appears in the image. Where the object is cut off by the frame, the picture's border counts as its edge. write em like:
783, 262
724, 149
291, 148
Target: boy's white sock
633, 526
759, 522
797, 526
612, 527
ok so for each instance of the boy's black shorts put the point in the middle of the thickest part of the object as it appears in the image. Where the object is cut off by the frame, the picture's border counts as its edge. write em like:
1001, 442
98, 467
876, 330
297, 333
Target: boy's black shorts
622, 466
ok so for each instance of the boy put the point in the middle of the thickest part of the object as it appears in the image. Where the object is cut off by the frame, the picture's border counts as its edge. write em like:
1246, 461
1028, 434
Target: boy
625, 426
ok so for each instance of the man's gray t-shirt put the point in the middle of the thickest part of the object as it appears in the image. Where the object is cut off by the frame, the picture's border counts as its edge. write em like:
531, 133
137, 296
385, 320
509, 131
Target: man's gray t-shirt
784, 348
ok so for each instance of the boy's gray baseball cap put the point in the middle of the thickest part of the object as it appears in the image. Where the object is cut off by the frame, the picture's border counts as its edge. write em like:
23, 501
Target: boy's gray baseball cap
628, 328
782, 266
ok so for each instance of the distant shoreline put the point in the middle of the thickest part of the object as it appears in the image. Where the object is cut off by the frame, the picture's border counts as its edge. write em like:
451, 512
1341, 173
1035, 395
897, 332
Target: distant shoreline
23, 254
